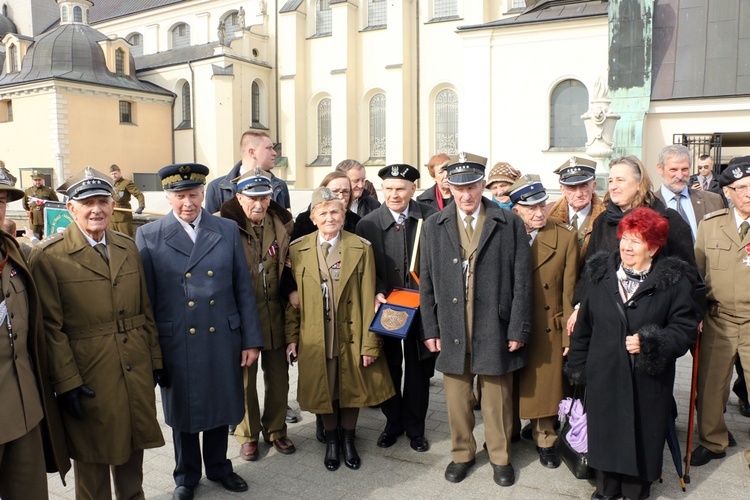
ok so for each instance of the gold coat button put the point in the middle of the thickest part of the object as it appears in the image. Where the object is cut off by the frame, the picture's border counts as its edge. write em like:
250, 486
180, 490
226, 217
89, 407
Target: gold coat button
191, 304
212, 329
210, 273
188, 275
192, 331
212, 302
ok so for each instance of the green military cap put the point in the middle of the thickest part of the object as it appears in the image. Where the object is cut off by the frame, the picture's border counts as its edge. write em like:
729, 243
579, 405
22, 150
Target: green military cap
85, 184
36, 174
8, 184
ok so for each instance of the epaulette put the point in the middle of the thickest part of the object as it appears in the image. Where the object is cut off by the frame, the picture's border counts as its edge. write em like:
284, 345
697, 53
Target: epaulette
297, 240
716, 213
565, 225
50, 240
365, 241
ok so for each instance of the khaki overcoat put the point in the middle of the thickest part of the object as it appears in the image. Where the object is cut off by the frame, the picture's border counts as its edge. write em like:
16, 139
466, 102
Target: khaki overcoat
559, 213
358, 386
554, 257
36, 212
100, 332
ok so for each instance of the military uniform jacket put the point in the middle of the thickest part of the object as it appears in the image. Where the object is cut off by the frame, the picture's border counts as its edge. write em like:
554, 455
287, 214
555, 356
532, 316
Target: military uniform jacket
354, 305
502, 291
100, 332
25, 389
205, 312
560, 213
37, 210
554, 257
124, 188
283, 225
724, 260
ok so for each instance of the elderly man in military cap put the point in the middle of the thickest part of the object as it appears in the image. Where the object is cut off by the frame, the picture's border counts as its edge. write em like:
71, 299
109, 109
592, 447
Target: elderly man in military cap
33, 202
122, 219
501, 178
392, 230
554, 257
265, 229
580, 205
196, 273
722, 252
29, 412
102, 341
478, 327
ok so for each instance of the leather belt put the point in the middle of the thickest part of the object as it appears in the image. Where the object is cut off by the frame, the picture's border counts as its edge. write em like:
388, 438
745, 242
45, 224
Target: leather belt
119, 326
717, 310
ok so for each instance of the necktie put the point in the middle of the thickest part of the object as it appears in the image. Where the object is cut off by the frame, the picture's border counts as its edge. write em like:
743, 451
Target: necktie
574, 221
469, 229
101, 249
326, 249
531, 240
401, 219
678, 200
258, 232
743, 230
705, 183
191, 225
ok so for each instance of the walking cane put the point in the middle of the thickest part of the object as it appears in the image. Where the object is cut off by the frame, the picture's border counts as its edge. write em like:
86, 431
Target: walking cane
691, 411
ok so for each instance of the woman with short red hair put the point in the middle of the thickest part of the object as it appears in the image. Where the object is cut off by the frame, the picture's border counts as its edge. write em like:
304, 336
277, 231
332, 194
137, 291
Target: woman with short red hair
636, 318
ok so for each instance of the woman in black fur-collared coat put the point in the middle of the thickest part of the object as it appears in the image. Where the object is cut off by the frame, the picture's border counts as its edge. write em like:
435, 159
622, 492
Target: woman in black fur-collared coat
636, 319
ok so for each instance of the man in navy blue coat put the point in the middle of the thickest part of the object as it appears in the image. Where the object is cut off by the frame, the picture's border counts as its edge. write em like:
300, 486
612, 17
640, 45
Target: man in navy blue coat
204, 307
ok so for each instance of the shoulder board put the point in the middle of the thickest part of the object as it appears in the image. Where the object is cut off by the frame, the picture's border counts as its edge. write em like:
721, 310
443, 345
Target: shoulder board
716, 213
297, 240
366, 242
50, 240
565, 225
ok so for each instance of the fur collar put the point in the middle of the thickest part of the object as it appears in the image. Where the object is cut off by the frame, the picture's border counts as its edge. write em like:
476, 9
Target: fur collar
666, 271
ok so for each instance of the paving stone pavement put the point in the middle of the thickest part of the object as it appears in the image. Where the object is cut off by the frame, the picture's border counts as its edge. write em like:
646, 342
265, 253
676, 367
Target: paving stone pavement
400, 473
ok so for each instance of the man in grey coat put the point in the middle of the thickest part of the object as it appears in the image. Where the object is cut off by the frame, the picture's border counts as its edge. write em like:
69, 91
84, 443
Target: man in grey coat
196, 276
475, 303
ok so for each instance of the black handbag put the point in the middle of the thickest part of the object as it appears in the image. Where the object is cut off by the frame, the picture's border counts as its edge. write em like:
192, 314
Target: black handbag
577, 462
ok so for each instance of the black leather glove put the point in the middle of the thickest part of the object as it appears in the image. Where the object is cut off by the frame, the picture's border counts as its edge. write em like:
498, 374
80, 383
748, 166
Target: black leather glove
161, 378
71, 401
139, 210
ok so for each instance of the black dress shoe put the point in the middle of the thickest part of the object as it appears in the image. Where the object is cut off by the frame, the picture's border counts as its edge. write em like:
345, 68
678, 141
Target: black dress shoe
744, 408
320, 433
387, 440
331, 459
183, 493
419, 443
503, 474
598, 496
351, 457
526, 432
732, 441
548, 457
233, 482
702, 455
456, 472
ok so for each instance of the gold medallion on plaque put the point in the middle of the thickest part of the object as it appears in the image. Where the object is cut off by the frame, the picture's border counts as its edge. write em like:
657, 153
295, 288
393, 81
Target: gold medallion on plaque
393, 319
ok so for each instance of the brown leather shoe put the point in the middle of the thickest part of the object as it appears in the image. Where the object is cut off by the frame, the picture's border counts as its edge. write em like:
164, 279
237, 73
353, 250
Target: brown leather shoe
284, 445
249, 452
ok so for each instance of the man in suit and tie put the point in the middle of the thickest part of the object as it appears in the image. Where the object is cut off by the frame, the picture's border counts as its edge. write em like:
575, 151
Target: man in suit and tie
706, 180
675, 164
196, 275
392, 230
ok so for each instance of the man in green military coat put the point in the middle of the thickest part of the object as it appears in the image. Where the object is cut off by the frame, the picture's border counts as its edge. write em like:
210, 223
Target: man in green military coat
103, 346
33, 202
122, 219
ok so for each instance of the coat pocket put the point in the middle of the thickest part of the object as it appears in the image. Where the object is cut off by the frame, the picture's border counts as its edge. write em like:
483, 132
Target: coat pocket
718, 254
234, 321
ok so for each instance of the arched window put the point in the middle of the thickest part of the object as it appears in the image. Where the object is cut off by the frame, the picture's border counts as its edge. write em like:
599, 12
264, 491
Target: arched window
446, 122
231, 25
377, 13
444, 8
187, 116
119, 62
65, 14
180, 36
77, 14
324, 131
255, 99
569, 100
377, 127
13, 58
323, 17
136, 44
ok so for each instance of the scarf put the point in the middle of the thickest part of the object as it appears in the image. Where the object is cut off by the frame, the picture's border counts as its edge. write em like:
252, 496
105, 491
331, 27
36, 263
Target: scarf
613, 214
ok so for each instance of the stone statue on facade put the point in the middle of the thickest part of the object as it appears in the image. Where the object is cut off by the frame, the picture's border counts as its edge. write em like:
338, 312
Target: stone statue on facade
221, 31
600, 121
241, 17
262, 7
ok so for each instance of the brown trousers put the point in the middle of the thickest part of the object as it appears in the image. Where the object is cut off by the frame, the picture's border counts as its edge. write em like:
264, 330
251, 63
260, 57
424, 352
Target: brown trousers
22, 471
92, 480
497, 412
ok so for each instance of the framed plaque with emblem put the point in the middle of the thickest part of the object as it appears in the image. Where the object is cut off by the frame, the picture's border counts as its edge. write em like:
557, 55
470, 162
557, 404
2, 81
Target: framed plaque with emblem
395, 317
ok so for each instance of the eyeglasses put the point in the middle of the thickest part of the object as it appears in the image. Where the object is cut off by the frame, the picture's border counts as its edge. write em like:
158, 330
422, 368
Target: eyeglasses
740, 190
704, 166
339, 192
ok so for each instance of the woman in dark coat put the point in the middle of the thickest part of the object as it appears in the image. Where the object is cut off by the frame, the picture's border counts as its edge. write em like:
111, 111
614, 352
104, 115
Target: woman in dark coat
635, 320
